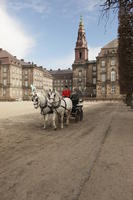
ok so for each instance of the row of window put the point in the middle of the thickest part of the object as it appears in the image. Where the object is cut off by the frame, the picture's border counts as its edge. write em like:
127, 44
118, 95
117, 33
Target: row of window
113, 76
112, 63
13, 82
62, 81
16, 71
13, 71
16, 83
113, 89
16, 93
36, 73
61, 88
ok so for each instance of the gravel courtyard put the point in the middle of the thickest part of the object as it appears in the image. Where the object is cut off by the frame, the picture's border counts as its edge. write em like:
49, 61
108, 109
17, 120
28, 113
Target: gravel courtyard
88, 160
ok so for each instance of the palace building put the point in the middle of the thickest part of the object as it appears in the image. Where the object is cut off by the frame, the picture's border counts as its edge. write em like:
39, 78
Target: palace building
94, 78
16, 77
37, 76
62, 78
98, 78
10, 76
107, 72
84, 71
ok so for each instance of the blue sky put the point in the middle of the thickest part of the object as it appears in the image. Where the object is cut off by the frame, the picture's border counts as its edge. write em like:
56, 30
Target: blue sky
45, 31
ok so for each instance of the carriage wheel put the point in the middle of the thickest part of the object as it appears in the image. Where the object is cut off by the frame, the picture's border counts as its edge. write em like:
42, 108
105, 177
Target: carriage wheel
81, 115
77, 116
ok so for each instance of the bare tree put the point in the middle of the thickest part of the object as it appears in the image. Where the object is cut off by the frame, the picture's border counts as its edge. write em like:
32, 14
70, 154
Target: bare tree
125, 41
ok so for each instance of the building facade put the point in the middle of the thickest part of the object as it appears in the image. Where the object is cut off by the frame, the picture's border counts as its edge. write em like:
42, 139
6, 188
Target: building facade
16, 77
94, 78
107, 72
84, 71
10, 76
62, 78
37, 76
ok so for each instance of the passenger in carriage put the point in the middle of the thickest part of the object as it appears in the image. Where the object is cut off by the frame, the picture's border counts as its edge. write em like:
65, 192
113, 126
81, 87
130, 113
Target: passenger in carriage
66, 92
76, 94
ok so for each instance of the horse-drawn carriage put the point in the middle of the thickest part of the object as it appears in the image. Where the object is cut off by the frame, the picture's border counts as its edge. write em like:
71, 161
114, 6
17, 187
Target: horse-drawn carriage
52, 103
77, 110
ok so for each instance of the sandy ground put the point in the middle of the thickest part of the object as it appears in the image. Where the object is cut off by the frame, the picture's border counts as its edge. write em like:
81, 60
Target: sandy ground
88, 160
10, 109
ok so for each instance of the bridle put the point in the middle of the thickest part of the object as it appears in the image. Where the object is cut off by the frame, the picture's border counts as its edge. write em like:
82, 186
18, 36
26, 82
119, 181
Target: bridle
57, 104
54, 104
35, 100
37, 103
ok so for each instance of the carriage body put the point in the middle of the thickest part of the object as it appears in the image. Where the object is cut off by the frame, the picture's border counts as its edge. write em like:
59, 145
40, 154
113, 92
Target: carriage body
77, 110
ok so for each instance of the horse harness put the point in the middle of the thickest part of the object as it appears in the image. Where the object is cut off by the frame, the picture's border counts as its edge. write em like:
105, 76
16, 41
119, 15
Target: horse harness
59, 105
43, 107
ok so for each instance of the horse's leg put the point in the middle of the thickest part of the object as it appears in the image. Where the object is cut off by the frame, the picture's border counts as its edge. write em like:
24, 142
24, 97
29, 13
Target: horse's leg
44, 126
54, 121
67, 117
45, 120
62, 117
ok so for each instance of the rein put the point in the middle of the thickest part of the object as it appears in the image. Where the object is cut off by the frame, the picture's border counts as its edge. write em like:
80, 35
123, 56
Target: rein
47, 105
65, 105
59, 104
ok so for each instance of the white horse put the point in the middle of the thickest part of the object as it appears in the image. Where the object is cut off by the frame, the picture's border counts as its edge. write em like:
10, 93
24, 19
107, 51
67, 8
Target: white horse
61, 106
41, 100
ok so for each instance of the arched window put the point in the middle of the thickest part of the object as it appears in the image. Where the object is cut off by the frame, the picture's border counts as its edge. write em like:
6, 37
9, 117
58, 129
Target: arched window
113, 76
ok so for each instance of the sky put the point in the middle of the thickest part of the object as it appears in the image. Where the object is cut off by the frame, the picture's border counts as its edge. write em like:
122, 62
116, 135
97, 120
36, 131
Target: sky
45, 31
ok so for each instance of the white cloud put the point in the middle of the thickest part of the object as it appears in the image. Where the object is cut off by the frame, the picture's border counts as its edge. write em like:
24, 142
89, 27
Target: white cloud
12, 36
88, 5
92, 4
39, 6
93, 52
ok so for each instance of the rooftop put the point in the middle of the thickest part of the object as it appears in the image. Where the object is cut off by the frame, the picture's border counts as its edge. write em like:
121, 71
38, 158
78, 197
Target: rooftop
61, 71
112, 44
6, 54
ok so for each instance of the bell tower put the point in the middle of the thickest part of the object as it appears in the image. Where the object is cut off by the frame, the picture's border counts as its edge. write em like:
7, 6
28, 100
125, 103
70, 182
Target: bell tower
81, 50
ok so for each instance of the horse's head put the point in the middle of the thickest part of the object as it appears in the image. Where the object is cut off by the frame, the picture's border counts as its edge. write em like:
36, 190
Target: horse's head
53, 97
36, 100
40, 99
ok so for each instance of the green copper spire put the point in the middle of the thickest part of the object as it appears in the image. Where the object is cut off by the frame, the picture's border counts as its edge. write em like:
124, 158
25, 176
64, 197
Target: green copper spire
81, 20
